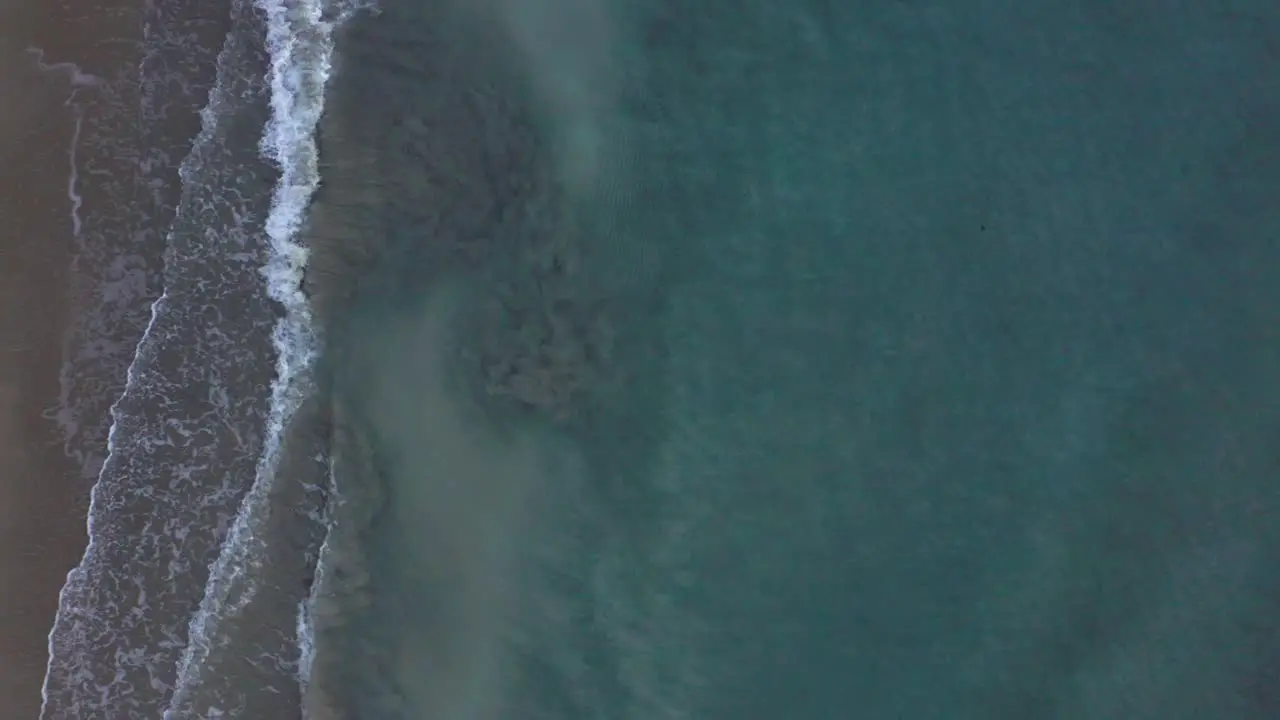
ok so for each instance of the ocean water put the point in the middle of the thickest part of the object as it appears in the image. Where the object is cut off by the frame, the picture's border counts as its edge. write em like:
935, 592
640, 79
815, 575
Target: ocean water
617, 359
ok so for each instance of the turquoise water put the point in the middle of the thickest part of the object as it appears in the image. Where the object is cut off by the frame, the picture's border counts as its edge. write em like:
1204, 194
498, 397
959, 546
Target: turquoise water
806, 360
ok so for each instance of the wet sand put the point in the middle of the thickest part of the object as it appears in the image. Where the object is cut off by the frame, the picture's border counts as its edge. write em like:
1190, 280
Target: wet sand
42, 500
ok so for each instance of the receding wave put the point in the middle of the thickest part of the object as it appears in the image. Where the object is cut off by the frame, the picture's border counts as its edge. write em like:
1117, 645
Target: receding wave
299, 45
187, 430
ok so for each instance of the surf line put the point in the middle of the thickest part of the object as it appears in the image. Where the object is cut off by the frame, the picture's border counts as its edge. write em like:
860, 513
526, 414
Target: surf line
299, 45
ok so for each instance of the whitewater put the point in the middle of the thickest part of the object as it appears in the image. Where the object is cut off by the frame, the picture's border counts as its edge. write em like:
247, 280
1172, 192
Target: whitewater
194, 443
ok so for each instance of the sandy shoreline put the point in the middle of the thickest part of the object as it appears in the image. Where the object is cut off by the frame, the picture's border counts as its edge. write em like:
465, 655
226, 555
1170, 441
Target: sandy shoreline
42, 499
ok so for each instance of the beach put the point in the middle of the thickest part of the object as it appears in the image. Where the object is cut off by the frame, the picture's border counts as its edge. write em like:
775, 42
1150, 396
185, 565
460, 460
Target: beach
42, 500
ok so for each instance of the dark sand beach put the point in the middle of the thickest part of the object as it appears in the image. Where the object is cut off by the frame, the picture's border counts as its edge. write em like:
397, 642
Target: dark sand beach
44, 493
42, 500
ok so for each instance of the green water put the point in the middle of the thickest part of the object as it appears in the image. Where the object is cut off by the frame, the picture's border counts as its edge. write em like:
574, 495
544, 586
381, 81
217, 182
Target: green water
810, 360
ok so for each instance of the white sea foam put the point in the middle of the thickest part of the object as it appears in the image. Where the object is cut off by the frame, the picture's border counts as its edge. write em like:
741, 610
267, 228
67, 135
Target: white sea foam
176, 438
306, 643
299, 40
78, 80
